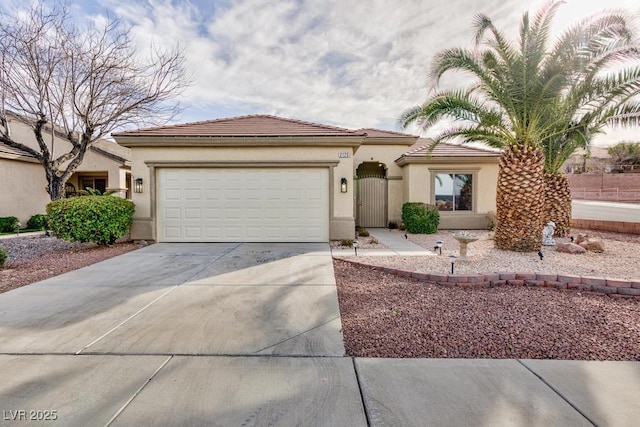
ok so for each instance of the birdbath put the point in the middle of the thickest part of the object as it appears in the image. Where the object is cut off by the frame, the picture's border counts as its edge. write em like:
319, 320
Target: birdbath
464, 238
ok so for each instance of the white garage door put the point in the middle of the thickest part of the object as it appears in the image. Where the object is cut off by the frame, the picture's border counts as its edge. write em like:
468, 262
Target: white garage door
243, 205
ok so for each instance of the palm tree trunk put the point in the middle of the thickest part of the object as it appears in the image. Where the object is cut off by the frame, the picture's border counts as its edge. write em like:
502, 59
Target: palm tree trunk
557, 199
520, 199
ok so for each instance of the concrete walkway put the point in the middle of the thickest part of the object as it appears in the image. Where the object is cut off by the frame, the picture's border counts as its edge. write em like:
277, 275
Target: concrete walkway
250, 334
396, 245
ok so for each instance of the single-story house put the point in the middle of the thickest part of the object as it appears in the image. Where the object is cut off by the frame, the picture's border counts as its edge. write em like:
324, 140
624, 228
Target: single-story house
23, 185
263, 178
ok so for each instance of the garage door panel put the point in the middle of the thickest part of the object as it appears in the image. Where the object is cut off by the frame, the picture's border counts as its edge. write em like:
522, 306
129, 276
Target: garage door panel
172, 194
217, 204
173, 232
213, 232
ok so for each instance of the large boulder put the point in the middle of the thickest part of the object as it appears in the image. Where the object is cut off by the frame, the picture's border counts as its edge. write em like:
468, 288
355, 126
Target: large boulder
570, 248
593, 244
581, 238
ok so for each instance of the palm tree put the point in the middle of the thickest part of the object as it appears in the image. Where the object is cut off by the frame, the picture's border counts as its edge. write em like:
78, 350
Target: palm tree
593, 101
529, 101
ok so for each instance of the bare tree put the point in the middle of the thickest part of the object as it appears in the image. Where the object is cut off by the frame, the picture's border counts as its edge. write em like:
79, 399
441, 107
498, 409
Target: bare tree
80, 84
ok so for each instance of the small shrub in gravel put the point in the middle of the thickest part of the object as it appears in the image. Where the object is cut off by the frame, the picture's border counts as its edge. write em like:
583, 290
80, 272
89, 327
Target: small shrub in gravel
393, 225
37, 222
3, 257
8, 224
347, 243
363, 233
420, 218
97, 219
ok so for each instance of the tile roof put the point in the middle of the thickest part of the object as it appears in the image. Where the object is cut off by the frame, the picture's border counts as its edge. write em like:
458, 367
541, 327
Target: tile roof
387, 137
445, 149
379, 133
245, 126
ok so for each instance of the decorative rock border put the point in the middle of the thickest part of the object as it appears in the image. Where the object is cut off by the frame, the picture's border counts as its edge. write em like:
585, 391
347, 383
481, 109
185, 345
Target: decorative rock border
615, 288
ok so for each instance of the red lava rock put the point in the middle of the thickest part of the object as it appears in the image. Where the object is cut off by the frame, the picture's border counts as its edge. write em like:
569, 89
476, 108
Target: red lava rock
477, 322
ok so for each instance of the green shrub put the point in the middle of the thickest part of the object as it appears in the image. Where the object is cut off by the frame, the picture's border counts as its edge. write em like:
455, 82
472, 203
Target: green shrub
347, 243
8, 224
97, 219
420, 218
3, 256
401, 227
37, 222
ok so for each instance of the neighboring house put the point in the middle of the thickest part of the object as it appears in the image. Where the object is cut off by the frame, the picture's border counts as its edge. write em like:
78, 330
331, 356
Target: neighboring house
23, 185
269, 179
597, 159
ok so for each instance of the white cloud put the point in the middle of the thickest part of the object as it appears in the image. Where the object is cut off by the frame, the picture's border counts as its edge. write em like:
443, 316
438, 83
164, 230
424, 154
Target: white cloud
355, 64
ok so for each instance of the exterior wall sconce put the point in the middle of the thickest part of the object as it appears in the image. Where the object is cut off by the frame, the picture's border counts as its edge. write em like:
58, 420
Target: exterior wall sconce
343, 185
137, 185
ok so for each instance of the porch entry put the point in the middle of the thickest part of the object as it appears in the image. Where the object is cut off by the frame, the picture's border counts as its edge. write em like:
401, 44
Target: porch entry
371, 195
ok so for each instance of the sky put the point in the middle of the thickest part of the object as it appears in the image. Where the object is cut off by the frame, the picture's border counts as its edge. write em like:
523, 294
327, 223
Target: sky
349, 63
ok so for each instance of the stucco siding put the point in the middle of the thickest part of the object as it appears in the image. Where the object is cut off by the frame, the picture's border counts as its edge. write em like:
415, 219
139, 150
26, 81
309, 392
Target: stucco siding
23, 189
419, 187
386, 154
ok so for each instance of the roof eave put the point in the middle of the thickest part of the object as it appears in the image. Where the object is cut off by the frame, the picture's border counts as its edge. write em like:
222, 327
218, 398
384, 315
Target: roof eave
19, 158
406, 160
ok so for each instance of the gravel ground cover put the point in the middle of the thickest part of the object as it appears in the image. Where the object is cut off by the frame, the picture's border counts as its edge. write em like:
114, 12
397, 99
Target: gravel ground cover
621, 258
389, 316
34, 258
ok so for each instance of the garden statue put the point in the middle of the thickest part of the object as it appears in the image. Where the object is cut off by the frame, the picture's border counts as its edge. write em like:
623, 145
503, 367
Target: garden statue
547, 234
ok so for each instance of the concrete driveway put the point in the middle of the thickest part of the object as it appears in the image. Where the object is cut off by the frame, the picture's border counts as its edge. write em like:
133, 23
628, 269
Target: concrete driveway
197, 319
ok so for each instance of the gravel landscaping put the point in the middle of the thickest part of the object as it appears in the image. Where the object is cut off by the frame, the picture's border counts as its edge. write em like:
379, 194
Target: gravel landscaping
390, 316
34, 258
621, 258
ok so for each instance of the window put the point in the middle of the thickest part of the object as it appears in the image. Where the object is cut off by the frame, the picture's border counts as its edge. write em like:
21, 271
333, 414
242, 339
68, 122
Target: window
453, 191
97, 183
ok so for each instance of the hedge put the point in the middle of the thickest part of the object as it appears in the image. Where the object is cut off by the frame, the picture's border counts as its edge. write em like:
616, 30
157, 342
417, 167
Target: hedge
37, 222
98, 219
420, 218
3, 256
